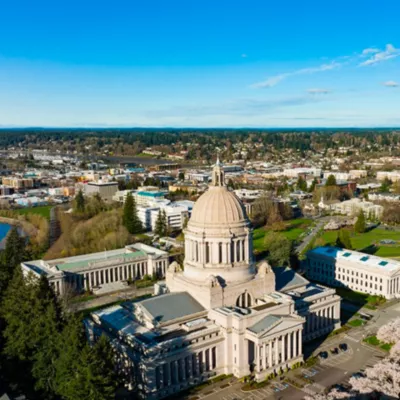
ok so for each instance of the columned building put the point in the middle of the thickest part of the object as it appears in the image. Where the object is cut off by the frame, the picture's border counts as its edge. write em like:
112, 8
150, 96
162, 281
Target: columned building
219, 313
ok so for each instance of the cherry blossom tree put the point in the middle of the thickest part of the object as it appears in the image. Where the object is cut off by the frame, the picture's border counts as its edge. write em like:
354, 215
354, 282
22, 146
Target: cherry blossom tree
390, 333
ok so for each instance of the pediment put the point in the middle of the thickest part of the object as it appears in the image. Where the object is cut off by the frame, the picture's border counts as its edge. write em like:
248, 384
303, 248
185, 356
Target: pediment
277, 327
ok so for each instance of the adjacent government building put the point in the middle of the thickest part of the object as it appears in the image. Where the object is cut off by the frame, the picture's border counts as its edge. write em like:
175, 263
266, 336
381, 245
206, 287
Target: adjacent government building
218, 313
106, 270
358, 271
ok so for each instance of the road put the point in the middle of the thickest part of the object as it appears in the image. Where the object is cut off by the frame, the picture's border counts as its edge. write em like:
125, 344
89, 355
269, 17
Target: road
314, 232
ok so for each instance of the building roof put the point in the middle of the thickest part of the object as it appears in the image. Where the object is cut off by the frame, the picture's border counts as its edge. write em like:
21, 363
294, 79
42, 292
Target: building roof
287, 279
361, 259
266, 323
218, 207
171, 306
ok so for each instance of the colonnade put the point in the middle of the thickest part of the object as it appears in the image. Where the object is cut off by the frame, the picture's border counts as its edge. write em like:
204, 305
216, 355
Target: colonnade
89, 280
320, 319
279, 350
217, 252
186, 368
393, 286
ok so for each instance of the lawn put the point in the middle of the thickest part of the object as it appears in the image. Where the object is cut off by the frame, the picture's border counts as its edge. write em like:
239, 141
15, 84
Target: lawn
369, 241
294, 228
374, 341
356, 322
44, 211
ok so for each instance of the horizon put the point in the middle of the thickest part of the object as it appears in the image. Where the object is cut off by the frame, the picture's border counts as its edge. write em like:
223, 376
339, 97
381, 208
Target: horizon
215, 66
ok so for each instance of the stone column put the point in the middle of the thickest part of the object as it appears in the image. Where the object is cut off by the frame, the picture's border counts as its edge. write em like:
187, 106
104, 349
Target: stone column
276, 351
300, 343
168, 374
190, 367
270, 354
257, 348
264, 360
176, 370
183, 369
295, 343
283, 348
289, 345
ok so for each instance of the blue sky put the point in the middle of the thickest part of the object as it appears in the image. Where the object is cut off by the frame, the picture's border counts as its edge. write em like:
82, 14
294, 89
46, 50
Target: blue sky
195, 63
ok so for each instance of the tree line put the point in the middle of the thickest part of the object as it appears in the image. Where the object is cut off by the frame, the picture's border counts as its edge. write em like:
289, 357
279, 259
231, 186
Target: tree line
44, 353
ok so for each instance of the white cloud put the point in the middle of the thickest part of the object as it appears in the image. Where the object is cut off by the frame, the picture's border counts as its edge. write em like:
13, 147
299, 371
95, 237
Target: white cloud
318, 91
390, 84
381, 55
274, 80
370, 50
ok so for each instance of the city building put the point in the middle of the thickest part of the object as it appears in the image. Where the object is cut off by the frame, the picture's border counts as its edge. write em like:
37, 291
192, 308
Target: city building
353, 207
100, 270
220, 314
358, 271
393, 176
106, 190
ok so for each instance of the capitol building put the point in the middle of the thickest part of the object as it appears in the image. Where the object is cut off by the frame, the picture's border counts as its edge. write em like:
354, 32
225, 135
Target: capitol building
219, 312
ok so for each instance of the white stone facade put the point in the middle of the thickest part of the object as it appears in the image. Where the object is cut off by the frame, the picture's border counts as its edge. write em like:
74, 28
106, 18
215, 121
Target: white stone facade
357, 271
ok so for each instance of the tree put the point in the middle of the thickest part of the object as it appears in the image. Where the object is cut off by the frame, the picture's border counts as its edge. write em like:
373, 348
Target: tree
313, 184
343, 239
158, 229
331, 181
360, 225
385, 186
131, 220
301, 184
181, 176
80, 202
11, 257
279, 249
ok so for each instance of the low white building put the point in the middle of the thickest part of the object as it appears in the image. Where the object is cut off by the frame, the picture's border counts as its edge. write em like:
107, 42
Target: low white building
357, 271
352, 207
393, 197
394, 176
92, 271
295, 172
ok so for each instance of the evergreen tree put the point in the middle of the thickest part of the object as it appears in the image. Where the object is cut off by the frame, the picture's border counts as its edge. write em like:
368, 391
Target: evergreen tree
360, 225
11, 257
158, 230
343, 239
164, 223
313, 184
131, 220
301, 184
331, 181
80, 202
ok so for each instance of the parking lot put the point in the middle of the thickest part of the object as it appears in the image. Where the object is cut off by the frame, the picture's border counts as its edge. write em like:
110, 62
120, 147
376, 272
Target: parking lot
336, 368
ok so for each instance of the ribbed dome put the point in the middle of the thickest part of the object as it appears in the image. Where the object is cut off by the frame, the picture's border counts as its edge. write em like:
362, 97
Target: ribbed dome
219, 208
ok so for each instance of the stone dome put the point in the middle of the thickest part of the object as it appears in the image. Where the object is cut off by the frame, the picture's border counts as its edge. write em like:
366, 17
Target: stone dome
218, 207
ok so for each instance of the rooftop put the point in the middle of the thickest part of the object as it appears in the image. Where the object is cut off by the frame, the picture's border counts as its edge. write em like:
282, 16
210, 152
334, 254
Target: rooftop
361, 259
287, 279
171, 306
265, 323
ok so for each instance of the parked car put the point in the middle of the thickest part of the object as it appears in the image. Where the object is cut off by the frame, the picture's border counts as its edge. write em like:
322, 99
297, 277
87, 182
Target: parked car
343, 346
335, 350
323, 354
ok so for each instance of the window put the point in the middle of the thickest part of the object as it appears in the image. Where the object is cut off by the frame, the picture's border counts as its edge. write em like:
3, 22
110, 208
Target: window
383, 263
365, 258
207, 252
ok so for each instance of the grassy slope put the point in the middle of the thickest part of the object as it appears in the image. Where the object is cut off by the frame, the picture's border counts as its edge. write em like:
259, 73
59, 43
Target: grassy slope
364, 240
42, 210
294, 229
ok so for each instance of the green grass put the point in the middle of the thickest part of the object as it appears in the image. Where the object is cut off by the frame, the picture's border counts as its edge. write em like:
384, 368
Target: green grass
356, 322
44, 211
370, 240
372, 340
294, 228
342, 329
